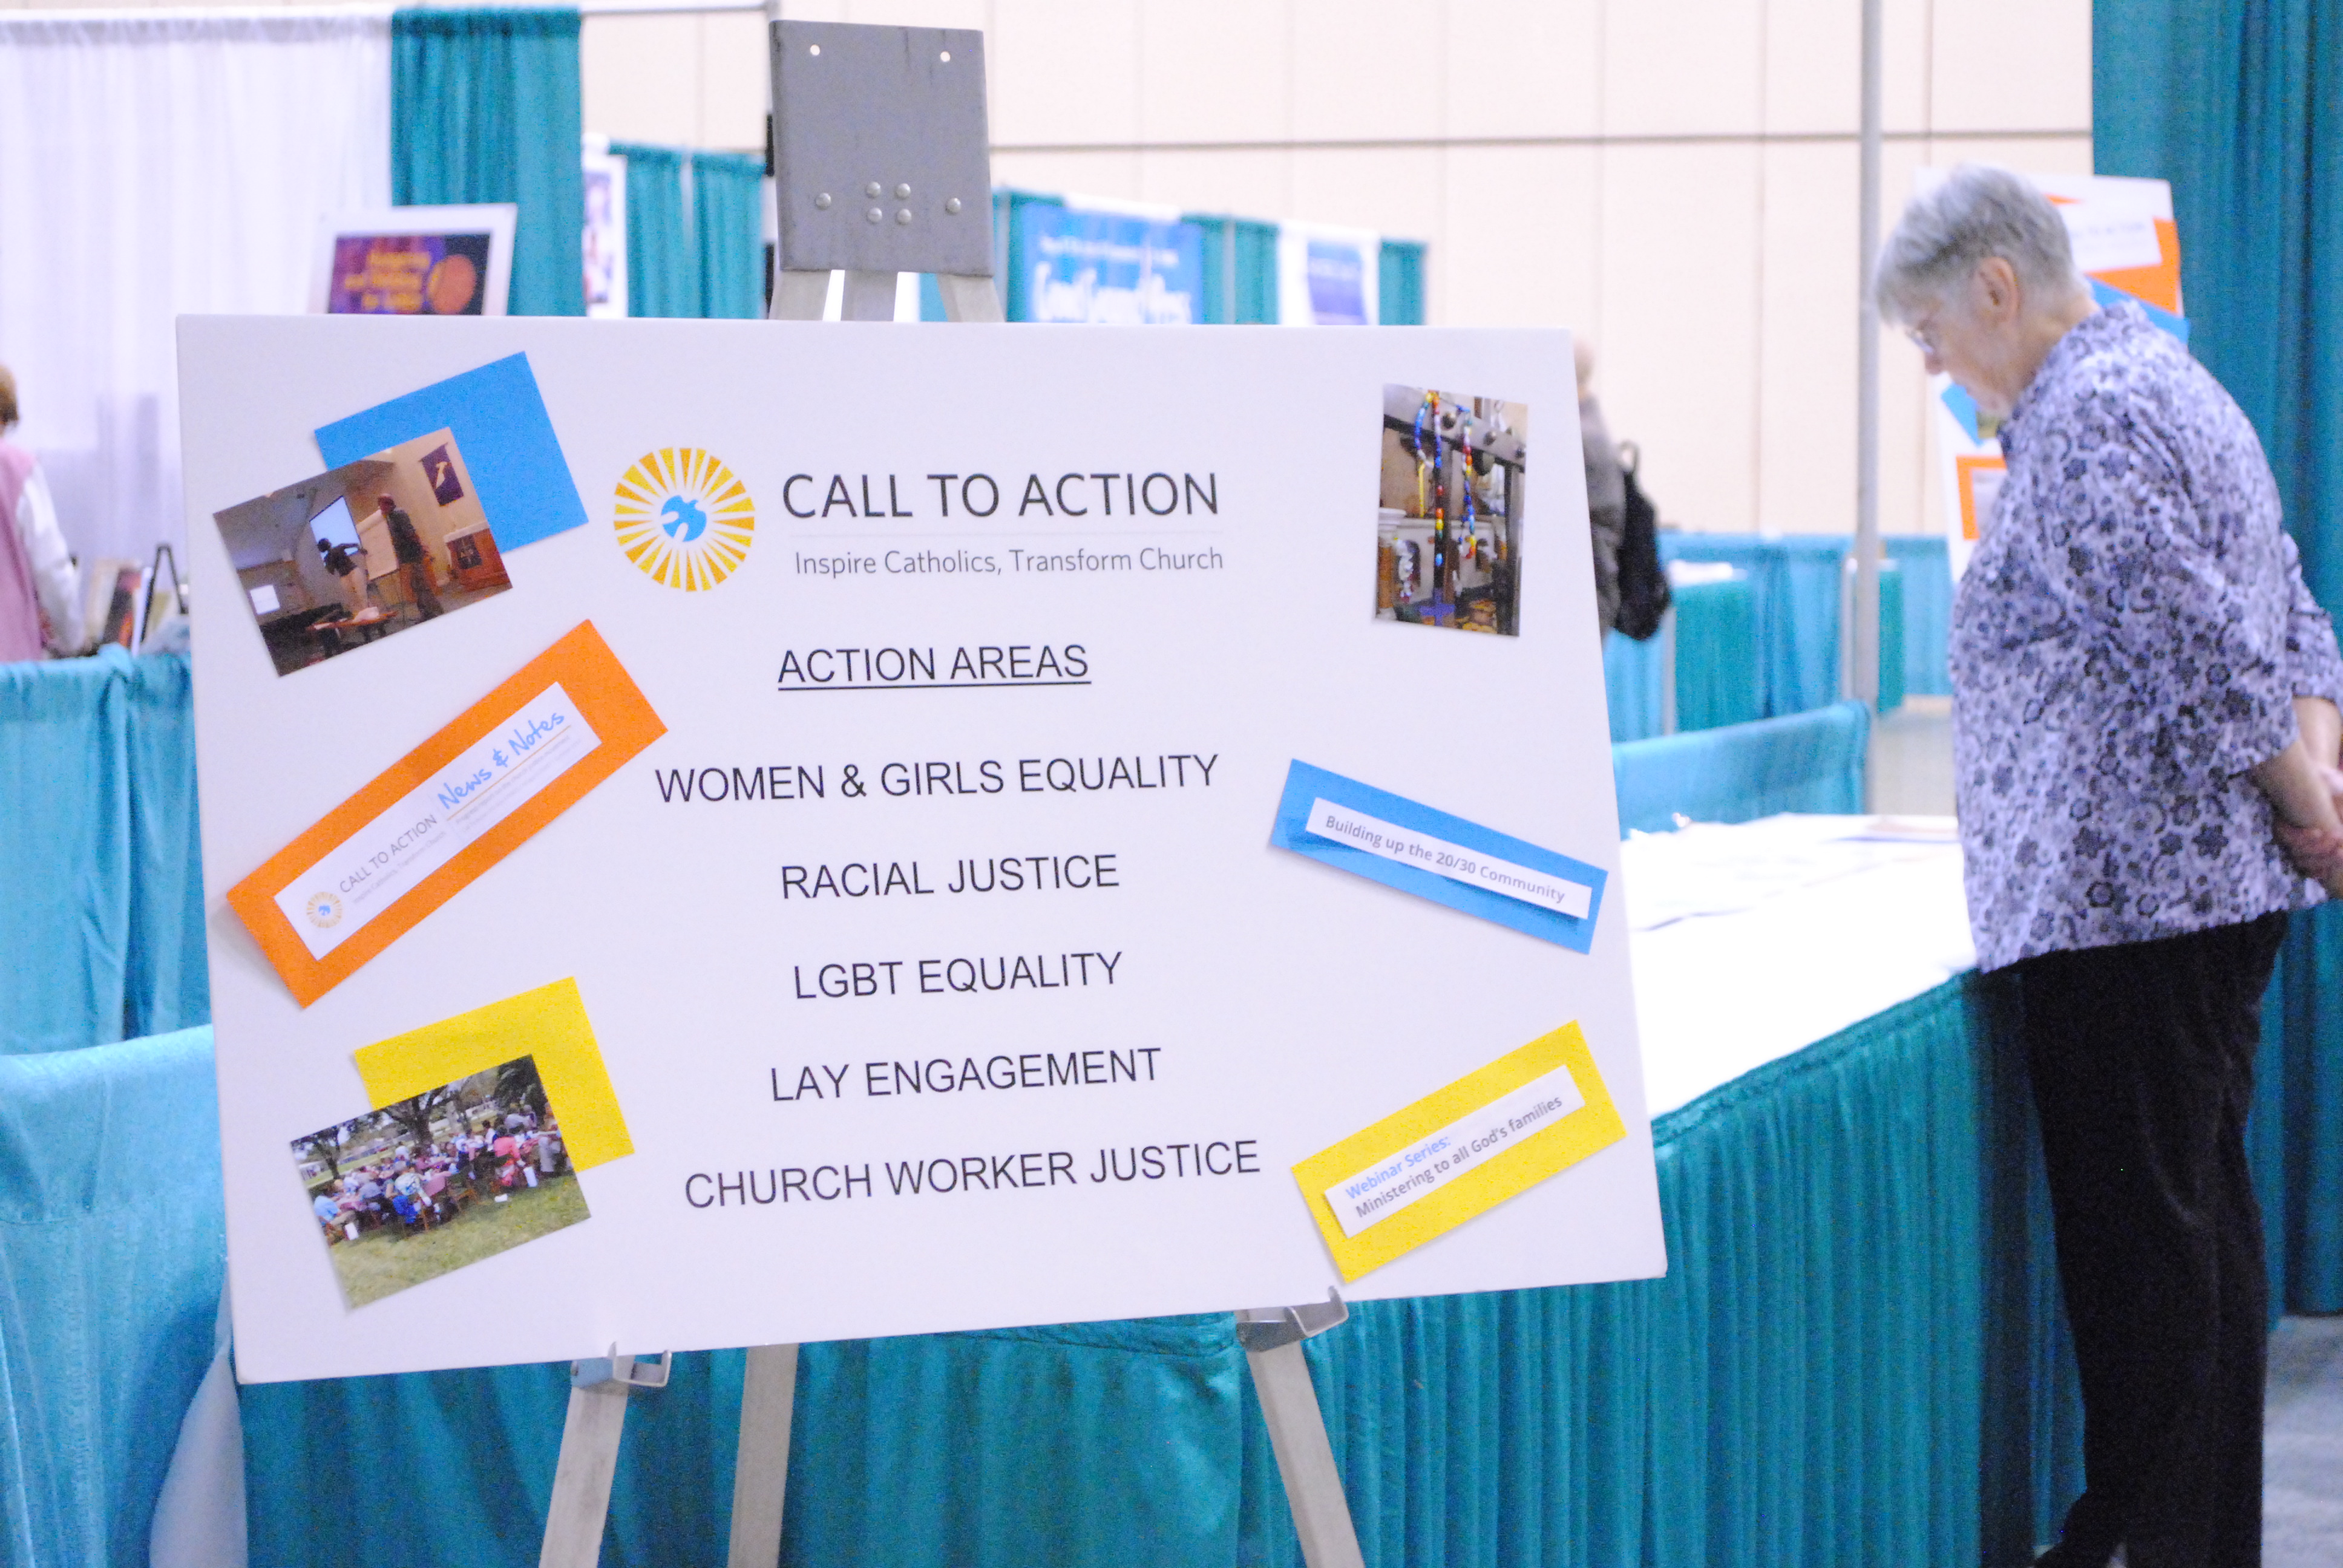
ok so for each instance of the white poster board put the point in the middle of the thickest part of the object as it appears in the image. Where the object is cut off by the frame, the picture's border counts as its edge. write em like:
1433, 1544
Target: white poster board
1170, 605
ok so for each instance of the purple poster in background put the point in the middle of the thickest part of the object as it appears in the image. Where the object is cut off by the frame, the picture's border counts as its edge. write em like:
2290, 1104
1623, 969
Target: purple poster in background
408, 275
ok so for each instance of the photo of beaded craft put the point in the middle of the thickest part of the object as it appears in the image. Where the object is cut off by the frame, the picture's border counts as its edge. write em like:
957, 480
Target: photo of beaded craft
1448, 522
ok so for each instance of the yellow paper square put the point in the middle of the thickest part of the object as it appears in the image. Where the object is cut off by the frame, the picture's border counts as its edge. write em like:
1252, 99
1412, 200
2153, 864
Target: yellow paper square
548, 1023
1592, 1126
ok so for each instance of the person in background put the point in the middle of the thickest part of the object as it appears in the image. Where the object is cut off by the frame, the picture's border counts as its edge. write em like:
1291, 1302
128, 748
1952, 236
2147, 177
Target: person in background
40, 587
1607, 490
414, 561
2145, 730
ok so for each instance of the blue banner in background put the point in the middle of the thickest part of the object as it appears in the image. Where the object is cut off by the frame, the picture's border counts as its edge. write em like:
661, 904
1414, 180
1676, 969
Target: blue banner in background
1108, 267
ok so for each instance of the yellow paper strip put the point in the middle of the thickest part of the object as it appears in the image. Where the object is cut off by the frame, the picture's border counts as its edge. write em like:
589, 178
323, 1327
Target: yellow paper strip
1528, 1160
548, 1023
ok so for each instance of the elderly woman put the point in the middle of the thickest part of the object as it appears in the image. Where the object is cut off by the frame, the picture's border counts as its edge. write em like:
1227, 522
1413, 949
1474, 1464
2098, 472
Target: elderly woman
2145, 732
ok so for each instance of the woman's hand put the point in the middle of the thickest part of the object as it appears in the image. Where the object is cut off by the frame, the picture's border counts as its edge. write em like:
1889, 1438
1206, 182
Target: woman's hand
2304, 794
2315, 852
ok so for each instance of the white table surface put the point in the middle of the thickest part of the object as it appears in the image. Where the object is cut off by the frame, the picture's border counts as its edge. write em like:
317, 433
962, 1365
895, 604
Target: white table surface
1754, 940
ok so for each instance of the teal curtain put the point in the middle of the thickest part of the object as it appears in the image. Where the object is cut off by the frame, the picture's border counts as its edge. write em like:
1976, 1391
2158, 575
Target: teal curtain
484, 109
167, 982
695, 232
1240, 273
2234, 102
112, 1257
1633, 686
1401, 275
103, 915
663, 257
2297, 1127
1794, 582
727, 224
1715, 654
1925, 567
64, 918
1804, 762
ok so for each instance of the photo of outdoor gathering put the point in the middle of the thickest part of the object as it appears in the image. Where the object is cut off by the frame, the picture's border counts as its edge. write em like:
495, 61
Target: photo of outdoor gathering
349, 557
459, 1173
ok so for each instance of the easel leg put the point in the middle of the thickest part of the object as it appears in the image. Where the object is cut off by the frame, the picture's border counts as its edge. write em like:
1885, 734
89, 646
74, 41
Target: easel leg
969, 298
868, 297
761, 1470
581, 1478
1305, 1459
800, 297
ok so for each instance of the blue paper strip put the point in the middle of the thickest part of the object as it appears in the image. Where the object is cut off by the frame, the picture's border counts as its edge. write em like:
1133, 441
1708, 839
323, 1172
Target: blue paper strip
500, 425
1964, 410
2109, 294
1304, 784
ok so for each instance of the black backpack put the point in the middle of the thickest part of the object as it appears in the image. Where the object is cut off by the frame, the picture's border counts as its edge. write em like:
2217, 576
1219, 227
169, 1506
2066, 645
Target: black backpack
1643, 595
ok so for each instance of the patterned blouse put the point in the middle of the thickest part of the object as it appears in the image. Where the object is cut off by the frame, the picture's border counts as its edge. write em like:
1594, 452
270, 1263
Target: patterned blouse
2125, 643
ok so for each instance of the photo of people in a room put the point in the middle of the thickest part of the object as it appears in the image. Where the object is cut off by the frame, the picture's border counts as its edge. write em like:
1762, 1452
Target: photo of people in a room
376, 547
1448, 524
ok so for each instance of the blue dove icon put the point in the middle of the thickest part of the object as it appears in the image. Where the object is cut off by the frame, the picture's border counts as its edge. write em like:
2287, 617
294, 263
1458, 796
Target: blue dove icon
688, 521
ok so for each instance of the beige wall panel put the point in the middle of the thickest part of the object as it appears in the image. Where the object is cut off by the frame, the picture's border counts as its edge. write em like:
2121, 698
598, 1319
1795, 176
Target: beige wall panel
1807, 342
638, 78
1518, 246
1678, 334
1814, 65
1909, 493
1525, 68
1671, 66
1368, 68
2013, 65
1064, 71
1109, 173
1254, 185
975, 14
1906, 52
1394, 191
1215, 71
2044, 155
735, 75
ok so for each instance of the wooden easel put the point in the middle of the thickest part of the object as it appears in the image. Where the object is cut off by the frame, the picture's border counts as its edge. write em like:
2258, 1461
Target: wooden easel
874, 196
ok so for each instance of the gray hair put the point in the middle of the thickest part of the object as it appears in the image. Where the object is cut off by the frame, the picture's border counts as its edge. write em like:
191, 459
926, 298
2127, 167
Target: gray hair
1978, 212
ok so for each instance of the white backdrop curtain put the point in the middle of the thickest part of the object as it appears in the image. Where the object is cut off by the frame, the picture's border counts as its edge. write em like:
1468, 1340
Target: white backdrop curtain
154, 165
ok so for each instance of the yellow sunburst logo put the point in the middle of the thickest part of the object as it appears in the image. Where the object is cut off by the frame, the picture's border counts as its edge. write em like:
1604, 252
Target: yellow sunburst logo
684, 518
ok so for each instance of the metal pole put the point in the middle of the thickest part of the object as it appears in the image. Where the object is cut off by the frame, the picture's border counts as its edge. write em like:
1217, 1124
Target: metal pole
1864, 639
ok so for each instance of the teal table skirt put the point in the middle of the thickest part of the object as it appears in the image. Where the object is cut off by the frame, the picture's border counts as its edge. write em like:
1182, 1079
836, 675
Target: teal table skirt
1805, 762
1855, 1359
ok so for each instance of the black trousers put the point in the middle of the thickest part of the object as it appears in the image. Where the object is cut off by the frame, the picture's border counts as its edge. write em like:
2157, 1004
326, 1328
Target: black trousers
2142, 1059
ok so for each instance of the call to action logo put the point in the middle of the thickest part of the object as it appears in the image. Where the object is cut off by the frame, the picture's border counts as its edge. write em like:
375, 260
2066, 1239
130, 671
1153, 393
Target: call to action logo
683, 518
325, 910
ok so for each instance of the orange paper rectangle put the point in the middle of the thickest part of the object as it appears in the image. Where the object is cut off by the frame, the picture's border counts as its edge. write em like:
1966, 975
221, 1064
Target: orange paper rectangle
581, 668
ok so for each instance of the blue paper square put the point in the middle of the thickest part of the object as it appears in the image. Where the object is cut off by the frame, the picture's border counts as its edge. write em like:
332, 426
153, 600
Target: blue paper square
1304, 784
500, 425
